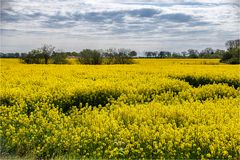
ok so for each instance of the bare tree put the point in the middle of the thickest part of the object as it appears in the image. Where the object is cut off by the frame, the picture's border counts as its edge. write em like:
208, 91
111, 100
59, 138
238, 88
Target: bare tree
47, 51
233, 44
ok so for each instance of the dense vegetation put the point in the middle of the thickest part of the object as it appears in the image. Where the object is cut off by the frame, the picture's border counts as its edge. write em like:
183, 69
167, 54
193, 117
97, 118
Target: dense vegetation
110, 56
155, 109
232, 56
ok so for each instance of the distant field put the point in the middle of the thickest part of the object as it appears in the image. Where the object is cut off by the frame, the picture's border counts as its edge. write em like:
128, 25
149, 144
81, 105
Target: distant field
155, 109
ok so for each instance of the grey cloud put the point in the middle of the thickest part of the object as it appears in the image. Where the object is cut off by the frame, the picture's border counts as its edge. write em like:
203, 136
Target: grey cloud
168, 4
6, 4
190, 20
140, 20
144, 12
183, 3
59, 20
135, 29
9, 15
58, 17
199, 23
34, 15
57, 25
112, 16
176, 17
116, 16
192, 3
97, 17
113, 21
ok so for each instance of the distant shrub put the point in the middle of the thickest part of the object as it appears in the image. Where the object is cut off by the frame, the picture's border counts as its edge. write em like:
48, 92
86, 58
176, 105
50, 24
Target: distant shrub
45, 55
59, 58
122, 59
33, 57
111, 56
88, 56
120, 56
117, 58
231, 57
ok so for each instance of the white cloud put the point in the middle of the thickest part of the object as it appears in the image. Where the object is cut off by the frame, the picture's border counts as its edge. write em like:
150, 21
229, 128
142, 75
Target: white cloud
141, 25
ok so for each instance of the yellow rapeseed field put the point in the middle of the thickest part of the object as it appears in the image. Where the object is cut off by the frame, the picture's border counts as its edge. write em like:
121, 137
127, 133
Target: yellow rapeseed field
154, 109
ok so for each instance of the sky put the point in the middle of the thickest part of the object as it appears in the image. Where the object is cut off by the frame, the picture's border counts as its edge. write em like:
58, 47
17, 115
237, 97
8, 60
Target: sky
141, 25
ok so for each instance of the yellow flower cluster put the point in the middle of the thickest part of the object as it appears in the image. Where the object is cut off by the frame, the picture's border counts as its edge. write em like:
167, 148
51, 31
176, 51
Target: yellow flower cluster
145, 110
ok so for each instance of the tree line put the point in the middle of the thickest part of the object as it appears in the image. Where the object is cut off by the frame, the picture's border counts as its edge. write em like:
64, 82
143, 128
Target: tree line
109, 56
12, 55
47, 54
230, 56
190, 53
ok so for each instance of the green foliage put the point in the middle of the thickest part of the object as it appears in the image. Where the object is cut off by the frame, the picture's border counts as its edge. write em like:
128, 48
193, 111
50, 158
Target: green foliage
210, 53
193, 53
33, 57
59, 58
121, 56
43, 55
232, 56
88, 56
132, 54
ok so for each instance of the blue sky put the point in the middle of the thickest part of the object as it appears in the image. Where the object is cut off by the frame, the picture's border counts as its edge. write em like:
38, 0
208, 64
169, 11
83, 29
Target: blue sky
72, 25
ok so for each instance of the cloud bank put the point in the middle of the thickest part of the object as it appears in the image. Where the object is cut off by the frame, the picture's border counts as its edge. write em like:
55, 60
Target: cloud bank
173, 25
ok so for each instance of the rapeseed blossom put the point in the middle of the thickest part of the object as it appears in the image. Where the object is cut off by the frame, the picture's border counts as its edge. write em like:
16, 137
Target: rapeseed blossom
154, 109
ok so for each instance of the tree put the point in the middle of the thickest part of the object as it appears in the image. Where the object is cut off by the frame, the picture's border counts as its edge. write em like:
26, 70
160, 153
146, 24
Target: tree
232, 55
168, 54
219, 53
47, 51
121, 56
88, 56
59, 58
148, 54
164, 54
132, 54
108, 56
39, 56
43, 55
176, 55
232, 44
209, 51
117, 56
161, 54
154, 54
33, 57
184, 54
193, 53
206, 53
